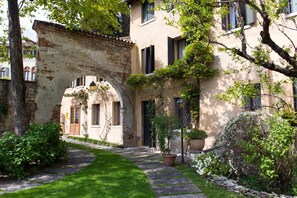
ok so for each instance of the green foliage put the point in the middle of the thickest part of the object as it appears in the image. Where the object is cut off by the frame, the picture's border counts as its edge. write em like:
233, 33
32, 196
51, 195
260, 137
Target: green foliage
261, 151
93, 141
210, 164
236, 93
109, 176
137, 80
274, 153
82, 96
165, 126
40, 146
196, 134
91, 15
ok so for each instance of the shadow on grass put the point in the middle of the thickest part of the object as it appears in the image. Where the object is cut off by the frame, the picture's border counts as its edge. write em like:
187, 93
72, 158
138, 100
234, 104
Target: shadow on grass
110, 175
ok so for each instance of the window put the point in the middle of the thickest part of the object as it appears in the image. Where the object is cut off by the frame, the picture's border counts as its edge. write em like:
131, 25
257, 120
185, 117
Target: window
181, 44
4, 73
74, 115
79, 82
176, 49
95, 114
292, 6
33, 74
27, 73
116, 113
236, 10
147, 11
184, 115
148, 59
99, 79
253, 103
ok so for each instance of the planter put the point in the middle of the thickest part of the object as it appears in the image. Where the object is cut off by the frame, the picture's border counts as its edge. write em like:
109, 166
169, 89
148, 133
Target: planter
169, 159
197, 144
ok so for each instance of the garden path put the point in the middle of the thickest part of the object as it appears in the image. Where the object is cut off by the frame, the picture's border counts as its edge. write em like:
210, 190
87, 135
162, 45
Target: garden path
167, 182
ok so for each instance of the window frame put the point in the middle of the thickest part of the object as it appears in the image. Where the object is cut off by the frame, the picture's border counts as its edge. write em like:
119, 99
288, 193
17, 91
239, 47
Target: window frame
148, 59
27, 73
96, 114
147, 11
247, 13
116, 113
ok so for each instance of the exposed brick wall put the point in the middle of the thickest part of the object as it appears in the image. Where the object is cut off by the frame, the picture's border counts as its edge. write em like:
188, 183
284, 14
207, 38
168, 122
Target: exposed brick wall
6, 114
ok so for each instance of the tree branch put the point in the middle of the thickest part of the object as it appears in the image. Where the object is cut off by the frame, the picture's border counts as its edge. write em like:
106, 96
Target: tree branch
267, 65
283, 32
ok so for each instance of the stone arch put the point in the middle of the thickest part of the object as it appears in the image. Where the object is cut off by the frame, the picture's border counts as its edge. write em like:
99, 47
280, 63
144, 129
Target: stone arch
64, 55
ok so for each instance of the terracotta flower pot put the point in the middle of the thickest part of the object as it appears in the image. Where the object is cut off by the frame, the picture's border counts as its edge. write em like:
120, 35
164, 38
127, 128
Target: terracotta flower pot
197, 144
169, 159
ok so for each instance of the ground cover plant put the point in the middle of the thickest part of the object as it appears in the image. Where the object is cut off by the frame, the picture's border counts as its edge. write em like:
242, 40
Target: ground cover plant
40, 146
110, 175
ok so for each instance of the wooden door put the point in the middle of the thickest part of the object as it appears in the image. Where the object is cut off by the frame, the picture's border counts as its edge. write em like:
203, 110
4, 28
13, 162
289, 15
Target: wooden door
74, 120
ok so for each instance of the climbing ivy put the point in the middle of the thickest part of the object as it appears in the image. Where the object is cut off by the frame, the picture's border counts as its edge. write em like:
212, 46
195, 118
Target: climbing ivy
195, 65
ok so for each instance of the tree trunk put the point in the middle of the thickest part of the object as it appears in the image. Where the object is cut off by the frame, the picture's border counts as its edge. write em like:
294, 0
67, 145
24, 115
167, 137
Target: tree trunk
21, 122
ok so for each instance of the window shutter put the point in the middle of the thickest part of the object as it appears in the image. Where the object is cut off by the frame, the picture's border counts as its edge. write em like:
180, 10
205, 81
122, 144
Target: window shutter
152, 58
224, 23
250, 15
144, 63
170, 51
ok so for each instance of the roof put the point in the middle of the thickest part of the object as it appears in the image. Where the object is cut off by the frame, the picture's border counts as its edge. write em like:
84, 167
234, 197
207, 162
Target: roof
37, 22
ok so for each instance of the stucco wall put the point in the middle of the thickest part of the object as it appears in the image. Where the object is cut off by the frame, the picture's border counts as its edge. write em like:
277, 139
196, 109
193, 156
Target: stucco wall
214, 114
105, 131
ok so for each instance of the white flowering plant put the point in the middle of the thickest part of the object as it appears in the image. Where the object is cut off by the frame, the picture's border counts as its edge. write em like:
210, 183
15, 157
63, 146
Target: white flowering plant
207, 164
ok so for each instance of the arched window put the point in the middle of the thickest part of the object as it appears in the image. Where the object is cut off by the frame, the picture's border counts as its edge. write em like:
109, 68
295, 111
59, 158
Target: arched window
33, 74
27, 73
4, 73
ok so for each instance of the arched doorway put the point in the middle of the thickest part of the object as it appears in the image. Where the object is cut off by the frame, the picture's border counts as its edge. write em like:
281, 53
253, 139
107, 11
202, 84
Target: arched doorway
64, 55
91, 108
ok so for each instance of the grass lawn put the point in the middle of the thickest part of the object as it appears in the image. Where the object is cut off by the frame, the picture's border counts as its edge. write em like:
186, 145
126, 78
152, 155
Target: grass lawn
209, 189
110, 175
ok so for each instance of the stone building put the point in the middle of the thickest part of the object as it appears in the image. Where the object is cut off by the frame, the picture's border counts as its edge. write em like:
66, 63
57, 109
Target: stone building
157, 45
29, 48
116, 113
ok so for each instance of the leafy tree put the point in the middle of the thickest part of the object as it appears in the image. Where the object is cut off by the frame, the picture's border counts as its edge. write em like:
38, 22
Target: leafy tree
194, 21
91, 15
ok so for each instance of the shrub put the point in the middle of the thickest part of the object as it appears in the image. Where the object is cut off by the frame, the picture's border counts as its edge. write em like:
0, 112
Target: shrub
261, 150
196, 134
40, 146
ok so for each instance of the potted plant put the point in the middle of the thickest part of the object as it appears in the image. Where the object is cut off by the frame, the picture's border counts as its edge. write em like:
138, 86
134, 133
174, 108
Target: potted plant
196, 138
165, 126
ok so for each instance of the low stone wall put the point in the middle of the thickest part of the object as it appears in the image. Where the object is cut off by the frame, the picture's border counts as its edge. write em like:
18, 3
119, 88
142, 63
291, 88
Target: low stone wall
6, 112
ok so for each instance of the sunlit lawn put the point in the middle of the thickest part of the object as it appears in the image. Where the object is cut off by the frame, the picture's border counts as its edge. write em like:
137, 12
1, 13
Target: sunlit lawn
110, 175
209, 189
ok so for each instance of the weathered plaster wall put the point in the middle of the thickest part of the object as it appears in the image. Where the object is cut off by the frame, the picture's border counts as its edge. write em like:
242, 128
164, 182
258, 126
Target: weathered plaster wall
64, 55
6, 115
